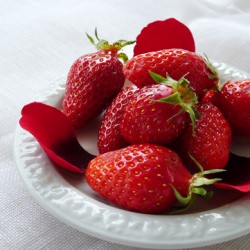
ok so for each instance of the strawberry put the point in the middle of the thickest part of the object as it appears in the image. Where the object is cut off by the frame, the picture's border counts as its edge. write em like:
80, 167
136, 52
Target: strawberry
109, 135
155, 114
209, 143
234, 102
93, 81
176, 63
145, 178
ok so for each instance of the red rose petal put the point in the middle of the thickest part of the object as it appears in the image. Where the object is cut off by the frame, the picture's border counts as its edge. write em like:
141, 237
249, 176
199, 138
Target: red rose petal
237, 176
166, 34
56, 135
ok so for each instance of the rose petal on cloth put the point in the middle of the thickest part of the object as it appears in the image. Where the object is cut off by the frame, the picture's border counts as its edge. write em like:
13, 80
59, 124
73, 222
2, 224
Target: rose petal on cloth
237, 176
56, 135
166, 34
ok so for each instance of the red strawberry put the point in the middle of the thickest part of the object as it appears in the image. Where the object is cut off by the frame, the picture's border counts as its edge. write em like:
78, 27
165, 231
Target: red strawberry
210, 97
93, 81
210, 141
109, 135
144, 178
155, 113
234, 102
175, 62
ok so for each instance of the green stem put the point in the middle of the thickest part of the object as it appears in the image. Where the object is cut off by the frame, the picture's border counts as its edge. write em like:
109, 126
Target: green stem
196, 185
182, 95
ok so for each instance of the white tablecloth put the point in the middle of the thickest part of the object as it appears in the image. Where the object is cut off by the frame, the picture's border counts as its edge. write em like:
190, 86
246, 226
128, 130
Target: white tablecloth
39, 42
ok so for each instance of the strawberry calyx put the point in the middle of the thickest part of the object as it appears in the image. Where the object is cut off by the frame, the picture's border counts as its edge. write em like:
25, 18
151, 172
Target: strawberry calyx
182, 95
215, 74
196, 186
102, 44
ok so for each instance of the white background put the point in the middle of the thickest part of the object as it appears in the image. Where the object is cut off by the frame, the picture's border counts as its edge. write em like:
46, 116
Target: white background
39, 40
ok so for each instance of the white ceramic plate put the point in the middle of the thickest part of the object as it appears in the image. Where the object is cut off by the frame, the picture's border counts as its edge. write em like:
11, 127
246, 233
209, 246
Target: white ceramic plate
68, 197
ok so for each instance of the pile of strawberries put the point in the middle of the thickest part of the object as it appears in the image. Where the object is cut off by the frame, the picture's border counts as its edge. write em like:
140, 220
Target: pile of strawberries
164, 132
